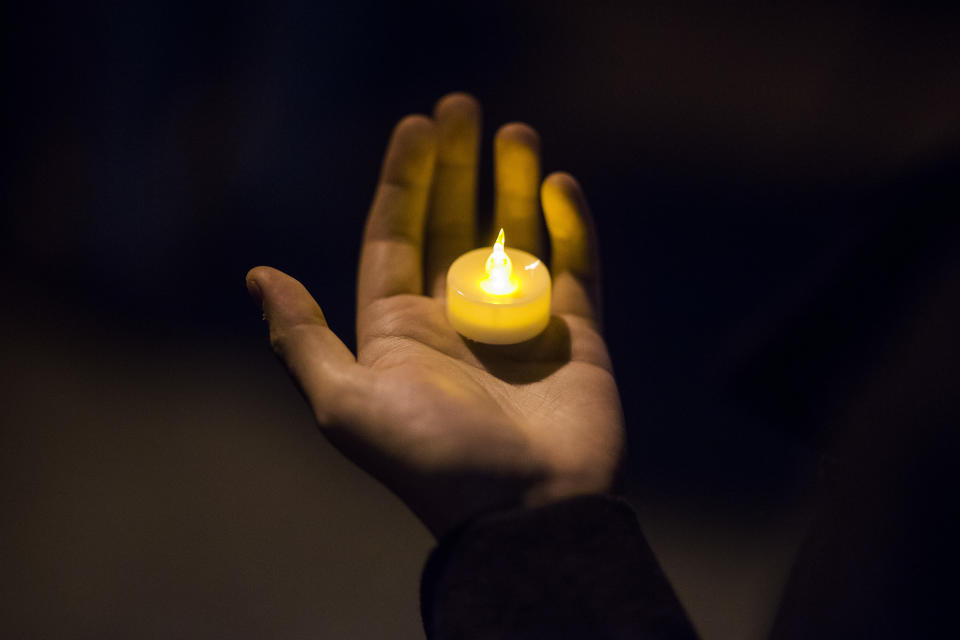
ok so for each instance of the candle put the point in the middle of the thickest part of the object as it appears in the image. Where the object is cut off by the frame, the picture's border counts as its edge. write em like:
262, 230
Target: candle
498, 297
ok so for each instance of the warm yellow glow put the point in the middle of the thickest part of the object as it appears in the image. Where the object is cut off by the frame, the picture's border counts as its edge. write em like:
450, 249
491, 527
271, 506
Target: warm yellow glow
480, 314
499, 280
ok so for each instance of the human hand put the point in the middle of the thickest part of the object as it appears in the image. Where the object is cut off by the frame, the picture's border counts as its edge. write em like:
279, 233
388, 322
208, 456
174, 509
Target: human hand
456, 428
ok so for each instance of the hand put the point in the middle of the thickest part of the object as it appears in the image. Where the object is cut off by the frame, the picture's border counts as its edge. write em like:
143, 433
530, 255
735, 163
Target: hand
457, 428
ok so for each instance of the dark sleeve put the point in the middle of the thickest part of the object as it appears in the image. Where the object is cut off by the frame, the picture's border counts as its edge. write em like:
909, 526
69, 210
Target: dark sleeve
579, 568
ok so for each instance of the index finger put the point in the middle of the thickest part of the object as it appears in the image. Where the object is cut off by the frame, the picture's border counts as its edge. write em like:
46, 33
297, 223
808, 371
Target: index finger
391, 256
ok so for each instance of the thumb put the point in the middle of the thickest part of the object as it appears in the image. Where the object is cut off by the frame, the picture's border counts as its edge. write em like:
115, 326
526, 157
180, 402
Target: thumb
323, 367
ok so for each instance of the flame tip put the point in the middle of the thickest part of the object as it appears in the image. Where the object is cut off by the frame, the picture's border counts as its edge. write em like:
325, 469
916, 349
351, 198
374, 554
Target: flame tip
499, 269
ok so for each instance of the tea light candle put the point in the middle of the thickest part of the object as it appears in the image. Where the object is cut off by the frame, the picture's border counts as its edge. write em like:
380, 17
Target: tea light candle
498, 297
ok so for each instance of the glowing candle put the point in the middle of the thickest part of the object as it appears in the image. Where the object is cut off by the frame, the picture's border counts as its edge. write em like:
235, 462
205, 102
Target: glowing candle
498, 297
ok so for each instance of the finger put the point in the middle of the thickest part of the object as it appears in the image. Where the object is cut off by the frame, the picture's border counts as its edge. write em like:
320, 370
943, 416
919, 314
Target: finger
327, 373
453, 202
516, 157
574, 265
391, 256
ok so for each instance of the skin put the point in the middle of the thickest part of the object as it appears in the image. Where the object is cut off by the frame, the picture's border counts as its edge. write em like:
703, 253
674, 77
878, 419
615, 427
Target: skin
455, 428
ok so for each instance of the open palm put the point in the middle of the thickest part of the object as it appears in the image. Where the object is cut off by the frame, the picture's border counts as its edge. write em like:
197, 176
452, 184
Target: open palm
458, 428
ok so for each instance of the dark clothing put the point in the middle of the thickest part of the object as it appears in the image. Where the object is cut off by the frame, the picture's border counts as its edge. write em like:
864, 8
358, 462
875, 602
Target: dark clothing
582, 569
575, 569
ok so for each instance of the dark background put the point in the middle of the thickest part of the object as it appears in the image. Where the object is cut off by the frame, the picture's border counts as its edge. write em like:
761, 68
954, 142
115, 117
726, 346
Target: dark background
774, 189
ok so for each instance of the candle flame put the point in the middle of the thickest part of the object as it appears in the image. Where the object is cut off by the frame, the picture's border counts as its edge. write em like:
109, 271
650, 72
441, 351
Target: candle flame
499, 280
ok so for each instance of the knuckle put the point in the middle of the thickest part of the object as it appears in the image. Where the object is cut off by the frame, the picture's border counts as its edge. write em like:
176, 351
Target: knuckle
284, 339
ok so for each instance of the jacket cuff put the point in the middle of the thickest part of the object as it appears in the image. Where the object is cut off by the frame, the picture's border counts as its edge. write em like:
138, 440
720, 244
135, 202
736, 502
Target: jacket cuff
578, 568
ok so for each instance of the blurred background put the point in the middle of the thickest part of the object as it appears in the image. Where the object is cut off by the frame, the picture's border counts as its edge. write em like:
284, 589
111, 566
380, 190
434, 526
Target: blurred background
774, 187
